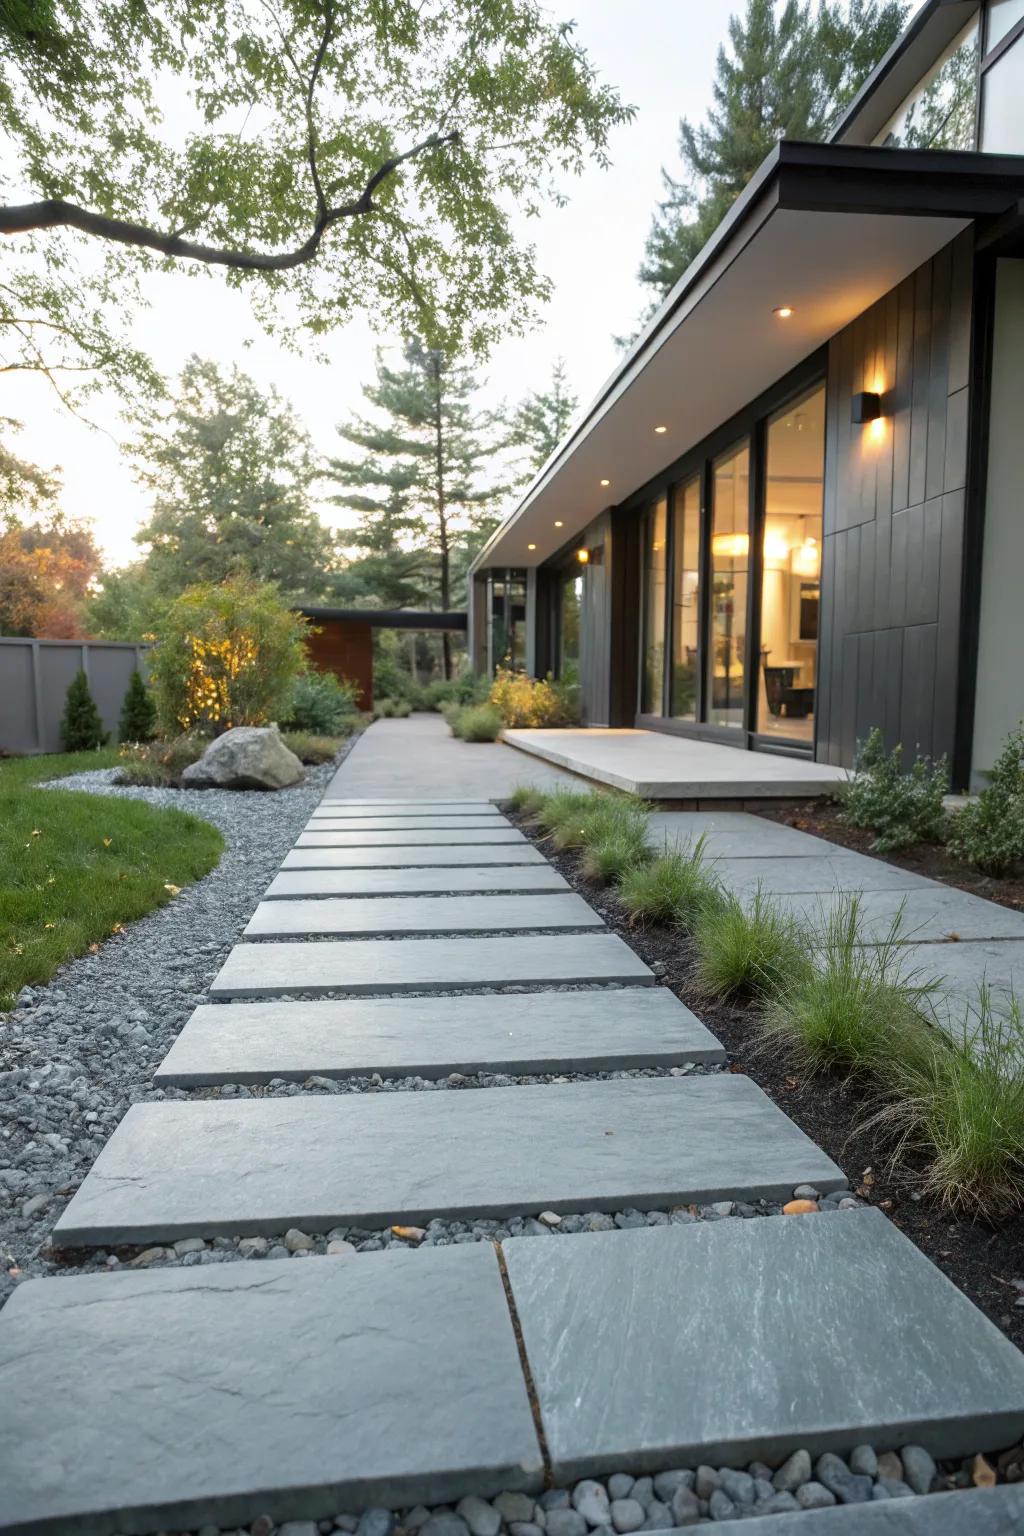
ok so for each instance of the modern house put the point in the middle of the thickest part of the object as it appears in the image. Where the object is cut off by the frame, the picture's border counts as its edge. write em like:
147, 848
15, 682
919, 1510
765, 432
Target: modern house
796, 509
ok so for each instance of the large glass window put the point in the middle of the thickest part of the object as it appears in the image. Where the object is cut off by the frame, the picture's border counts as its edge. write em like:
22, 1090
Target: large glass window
791, 568
685, 600
730, 552
940, 112
570, 608
1003, 16
508, 619
653, 665
1002, 118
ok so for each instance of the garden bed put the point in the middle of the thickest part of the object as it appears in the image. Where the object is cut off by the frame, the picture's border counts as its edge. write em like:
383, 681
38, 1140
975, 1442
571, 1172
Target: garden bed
986, 1262
825, 819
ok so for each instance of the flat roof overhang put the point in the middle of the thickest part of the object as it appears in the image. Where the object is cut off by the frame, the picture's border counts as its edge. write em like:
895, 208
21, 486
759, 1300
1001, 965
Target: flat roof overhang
824, 228
390, 618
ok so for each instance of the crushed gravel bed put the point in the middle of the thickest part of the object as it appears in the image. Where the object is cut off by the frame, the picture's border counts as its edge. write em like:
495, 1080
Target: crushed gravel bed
75, 1053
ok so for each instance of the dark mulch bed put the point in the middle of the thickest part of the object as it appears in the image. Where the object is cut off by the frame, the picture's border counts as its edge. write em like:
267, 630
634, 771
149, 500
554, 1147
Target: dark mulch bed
982, 1260
824, 819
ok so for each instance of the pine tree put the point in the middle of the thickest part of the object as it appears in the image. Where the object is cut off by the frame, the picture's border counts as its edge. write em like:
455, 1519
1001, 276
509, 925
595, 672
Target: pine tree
542, 419
81, 729
787, 74
429, 464
138, 712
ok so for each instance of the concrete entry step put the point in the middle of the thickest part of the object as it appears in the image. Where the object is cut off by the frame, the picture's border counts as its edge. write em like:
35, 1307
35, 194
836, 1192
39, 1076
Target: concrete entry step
437, 881
423, 965
149, 1401
979, 1512
386, 915
731, 1341
430, 1037
422, 838
356, 810
234, 1167
438, 856
406, 823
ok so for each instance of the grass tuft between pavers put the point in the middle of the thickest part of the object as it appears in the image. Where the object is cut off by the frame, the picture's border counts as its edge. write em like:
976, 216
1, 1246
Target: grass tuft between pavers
75, 867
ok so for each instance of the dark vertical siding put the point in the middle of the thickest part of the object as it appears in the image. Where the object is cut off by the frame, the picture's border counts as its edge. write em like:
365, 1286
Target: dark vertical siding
891, 572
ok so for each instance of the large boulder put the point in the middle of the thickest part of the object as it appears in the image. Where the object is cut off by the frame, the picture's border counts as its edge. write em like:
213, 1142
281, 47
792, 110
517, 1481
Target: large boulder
247, 757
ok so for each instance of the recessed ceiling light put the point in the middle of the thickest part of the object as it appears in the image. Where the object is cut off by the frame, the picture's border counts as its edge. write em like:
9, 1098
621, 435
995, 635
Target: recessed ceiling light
559, 523
661, 429
783, 311
606, 482
531, 546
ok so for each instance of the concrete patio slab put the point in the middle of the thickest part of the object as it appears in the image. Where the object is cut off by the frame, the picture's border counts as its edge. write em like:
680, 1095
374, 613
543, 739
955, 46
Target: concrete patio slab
429, 1037
406, 759
936, 914
424, 838
413, 882
382, 916
977, 1512
233, 1167
148, 1401
422, 965
406, 808
734, 834
734, 1340
436, 855
822, 875
320, 823
659, 766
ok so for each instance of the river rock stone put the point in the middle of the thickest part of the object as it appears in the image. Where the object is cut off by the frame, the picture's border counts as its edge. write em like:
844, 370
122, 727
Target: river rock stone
918, 1468
836, 1476
247, 757
814, 1496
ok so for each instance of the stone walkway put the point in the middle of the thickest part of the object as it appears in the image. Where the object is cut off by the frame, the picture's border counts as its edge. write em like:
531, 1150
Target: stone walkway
665, 1332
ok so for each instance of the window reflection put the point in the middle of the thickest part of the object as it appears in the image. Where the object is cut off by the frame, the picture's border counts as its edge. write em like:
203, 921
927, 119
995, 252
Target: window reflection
685, 600
730, 550
790, 582
570, 608
655, 534
940, 114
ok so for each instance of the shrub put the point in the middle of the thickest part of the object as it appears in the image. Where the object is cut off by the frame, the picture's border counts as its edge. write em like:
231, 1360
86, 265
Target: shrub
468, 689
527, 799
961, 1103
675, 888
311, 748
855, 1008
392, 709
900, 808
477, 722
161, 762
760, 952
81, 729
989, 831
528, 701
138, 712
319, 704
228, 655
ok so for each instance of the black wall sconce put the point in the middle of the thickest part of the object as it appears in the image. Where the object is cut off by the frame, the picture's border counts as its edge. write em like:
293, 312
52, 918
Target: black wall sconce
865, 407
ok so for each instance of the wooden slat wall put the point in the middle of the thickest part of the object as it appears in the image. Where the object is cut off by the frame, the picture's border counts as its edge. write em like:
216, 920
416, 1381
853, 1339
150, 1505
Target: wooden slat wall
894, 516
345, 648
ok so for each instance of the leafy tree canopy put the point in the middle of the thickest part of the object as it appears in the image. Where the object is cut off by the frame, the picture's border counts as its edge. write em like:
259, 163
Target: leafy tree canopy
232, 471
348, 156
46, 568
24, 487
787, 73
542, 419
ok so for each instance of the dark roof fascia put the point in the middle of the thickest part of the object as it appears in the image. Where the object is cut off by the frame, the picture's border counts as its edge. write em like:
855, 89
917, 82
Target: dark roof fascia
918, 48
836, 178
389, 618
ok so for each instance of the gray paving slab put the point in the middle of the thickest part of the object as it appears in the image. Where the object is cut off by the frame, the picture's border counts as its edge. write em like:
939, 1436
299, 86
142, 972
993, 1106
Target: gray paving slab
963, 968
976, 1512
935, 914
386, 915
213, 1166
734, 834
148, 1401
602, 1031
423, 838
414, 882
358, 808
272, 969
841, 871
405, 823
436, 855
419, 756
723, 1342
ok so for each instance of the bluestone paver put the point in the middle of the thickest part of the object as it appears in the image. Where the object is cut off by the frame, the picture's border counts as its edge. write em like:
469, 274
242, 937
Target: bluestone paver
162, 1400
810, 875
406, 823
358, 808
932, 914
722, 1342
600, 1031
437, 881
978, 1512
963, 969
273, 969
733, 834
232, 1167
438, 855
422, 838
388, 915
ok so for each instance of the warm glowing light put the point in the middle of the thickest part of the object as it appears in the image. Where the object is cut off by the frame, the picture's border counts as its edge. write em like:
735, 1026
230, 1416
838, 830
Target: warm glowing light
877, 429
776, 549
606, 482
531, 546
806, 560
659, 430
730, 546
783, 311
559, 523
583, 556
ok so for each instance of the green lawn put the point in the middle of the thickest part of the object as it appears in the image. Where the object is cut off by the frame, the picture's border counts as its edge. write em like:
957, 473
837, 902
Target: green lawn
75, 867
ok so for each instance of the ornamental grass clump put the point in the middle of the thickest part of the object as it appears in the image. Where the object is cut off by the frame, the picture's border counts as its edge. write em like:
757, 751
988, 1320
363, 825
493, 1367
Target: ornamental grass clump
900, 808
615, 853
527, 799
478, 722
960, 1104
561, 805
856, 1005
677, 888
598, 818
757, 952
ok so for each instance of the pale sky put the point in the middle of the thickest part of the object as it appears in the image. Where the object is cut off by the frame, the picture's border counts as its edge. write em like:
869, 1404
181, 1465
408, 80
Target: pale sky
660, 54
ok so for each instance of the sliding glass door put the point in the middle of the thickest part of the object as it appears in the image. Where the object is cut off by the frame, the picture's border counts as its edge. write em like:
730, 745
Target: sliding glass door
652, 660
726, 662
685, 599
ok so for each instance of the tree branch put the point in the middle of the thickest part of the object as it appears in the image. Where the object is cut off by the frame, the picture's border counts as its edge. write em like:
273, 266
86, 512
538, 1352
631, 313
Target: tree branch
54, 213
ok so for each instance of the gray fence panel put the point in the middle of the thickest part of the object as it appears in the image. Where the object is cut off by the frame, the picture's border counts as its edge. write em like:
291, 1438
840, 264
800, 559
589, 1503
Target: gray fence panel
34, 679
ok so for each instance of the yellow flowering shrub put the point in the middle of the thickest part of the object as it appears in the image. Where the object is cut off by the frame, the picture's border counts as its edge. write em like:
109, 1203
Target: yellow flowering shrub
533, 701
